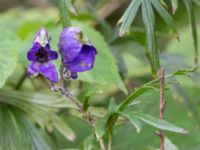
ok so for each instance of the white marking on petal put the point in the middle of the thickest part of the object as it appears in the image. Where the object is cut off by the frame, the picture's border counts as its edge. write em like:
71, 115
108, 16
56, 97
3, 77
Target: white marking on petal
42, 37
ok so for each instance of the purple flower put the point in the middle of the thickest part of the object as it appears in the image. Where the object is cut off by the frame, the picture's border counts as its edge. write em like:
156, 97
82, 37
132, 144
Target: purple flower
78, 54
41, 56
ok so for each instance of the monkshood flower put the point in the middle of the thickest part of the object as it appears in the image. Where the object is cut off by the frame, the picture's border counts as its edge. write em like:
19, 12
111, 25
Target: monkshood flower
77, 52
41, 56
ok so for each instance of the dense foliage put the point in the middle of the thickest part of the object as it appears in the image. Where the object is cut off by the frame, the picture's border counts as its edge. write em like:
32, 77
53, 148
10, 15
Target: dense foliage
114, 104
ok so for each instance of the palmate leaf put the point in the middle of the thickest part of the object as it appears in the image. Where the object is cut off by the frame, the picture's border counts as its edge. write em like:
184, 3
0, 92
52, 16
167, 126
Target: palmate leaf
149, 20
130, 13
189, 7
152, 49
40, 108
109, 120
164, 14
18, 133
152, 85
128, 16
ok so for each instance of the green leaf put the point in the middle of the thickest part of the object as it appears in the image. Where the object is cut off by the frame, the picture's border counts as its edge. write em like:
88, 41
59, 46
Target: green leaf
168, 145
133, 119
128, 16
189, 7
185, 71
40, 108
112, 106
9, 46
152, 85
174, 6
88, 143
151, 50
164, 14
134, 55
136, 93
197, 2
63, 128
27, 28
163, 3
105, 70
160, 124
100, 127
18, 132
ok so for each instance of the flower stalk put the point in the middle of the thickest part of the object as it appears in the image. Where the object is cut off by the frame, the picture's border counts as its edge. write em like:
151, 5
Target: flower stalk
64, 6
65, 92
162, 105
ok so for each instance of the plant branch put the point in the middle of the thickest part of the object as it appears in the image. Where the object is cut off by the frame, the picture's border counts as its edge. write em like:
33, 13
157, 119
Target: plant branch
162, 104
68, 94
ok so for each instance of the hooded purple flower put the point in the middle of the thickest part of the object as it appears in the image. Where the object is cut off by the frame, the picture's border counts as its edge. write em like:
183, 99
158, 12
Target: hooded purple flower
78, 54
41, 56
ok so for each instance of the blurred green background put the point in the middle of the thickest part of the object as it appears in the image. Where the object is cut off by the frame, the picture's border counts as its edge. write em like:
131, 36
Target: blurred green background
120, 67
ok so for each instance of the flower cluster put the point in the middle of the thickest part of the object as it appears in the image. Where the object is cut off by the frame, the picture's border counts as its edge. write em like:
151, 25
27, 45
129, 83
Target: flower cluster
77, 54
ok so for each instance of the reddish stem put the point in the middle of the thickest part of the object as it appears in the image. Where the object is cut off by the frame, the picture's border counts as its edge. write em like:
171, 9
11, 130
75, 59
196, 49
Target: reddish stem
162, 104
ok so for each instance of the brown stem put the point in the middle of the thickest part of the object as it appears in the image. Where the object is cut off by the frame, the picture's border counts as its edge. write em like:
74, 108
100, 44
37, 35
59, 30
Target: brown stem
162, 104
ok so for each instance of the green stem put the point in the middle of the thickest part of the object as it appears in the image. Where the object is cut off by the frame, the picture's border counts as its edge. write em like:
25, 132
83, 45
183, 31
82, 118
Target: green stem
110, 140
64, 7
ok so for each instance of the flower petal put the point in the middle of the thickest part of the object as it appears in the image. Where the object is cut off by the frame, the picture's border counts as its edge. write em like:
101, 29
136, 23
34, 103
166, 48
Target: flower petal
52, 55
49, 71
31, 55
84, 61
69, 44
33, 69
41, 37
